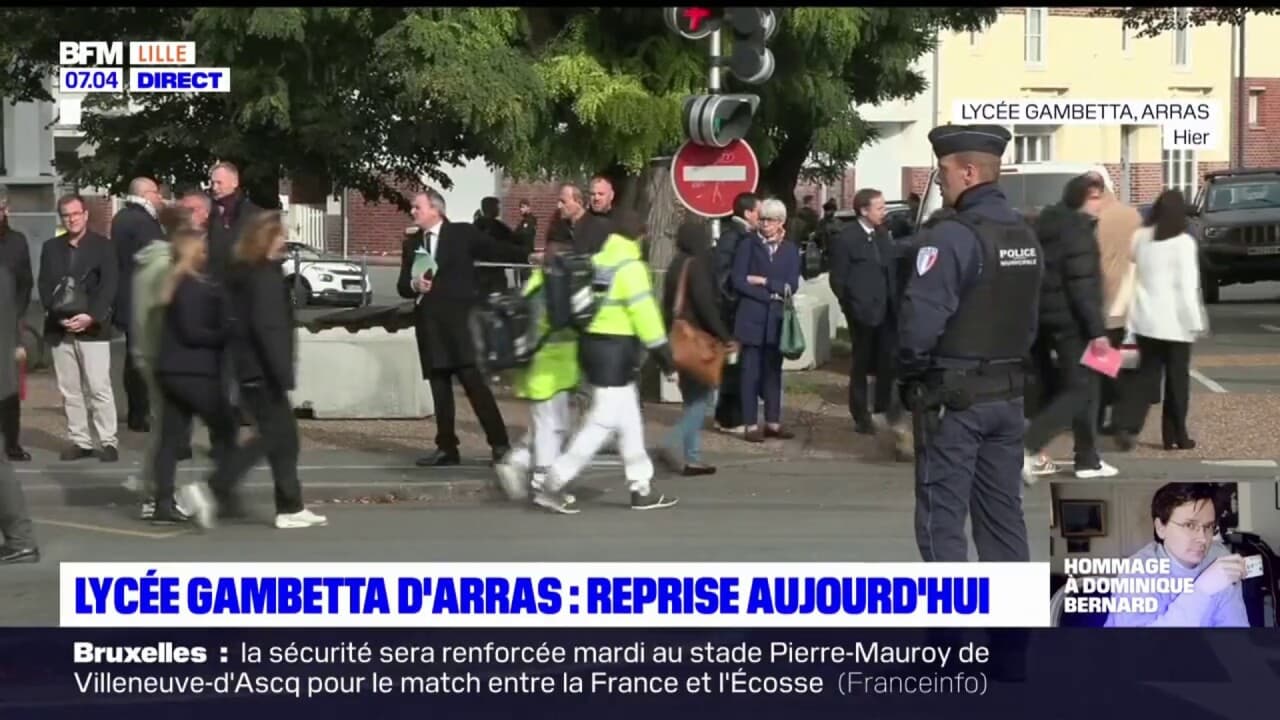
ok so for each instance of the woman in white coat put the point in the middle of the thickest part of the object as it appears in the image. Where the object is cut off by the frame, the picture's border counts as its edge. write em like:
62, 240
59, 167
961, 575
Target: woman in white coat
1166, 316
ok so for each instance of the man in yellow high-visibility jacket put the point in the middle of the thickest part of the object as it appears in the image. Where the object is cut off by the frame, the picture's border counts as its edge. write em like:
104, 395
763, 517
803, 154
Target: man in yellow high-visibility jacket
548, 382
607, 352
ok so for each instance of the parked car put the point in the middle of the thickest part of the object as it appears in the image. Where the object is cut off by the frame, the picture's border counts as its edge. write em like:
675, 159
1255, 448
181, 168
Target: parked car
316, 278
1236, 219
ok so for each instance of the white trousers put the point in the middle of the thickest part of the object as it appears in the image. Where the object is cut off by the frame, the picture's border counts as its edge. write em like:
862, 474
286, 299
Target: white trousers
549, 423
614, 411
83, 370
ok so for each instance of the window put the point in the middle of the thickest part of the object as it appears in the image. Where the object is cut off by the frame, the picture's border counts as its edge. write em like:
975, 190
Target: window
973, 38
1033, 51
1124, 38
1255, 100
1180, 172
1032, 145
1181, 38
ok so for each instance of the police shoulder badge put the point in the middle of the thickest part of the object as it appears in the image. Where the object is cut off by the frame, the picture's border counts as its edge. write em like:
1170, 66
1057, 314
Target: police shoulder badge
926, 259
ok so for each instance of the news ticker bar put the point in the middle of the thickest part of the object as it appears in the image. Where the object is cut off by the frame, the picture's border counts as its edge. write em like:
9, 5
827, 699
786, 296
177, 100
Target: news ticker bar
144, 79
563, 595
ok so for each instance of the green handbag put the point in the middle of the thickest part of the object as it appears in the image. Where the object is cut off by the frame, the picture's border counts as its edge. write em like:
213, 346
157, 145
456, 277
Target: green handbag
791, 341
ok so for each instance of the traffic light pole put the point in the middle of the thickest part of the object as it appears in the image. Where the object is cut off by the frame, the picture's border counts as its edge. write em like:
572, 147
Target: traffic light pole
713, 88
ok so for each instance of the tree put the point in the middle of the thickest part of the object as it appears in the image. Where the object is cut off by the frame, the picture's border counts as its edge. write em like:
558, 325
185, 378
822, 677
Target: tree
376, 98
1152, 21
615, 80
366, 98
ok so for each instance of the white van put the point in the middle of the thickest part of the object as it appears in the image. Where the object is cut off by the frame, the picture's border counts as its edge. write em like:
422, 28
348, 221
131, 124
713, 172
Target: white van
1028, 187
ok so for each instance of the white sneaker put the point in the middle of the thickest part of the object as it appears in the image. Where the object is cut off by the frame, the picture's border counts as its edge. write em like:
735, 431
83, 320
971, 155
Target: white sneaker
556, 502
196, 497
302, 519
513, 479
1103, 470
1029, 477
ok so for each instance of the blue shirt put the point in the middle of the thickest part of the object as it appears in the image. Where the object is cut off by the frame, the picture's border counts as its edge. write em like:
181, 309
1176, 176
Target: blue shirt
1223, 609
938, 280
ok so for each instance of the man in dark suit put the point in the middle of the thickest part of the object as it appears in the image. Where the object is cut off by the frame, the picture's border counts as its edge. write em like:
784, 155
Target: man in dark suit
864, 280
15, 256
444, 299
231, 210
15, 525
132, 228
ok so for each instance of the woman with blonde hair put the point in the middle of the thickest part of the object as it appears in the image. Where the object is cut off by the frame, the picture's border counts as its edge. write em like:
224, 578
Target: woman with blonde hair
188, 372
263, 351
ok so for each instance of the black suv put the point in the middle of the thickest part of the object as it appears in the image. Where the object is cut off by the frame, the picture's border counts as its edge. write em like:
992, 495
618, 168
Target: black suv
1236, 219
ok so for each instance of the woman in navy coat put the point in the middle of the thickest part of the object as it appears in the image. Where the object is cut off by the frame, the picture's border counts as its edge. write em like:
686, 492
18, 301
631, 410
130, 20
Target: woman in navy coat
765, 269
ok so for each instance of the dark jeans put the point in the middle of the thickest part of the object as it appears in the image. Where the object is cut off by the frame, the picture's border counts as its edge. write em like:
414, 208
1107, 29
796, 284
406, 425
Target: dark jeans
276, 440
15, 524
482, 403
1067, 399
1111, 389
11, 421
1172, 360
135, 386
181, 399
873, 354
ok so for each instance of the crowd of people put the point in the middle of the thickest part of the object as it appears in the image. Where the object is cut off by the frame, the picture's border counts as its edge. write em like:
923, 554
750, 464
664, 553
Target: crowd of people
195, 288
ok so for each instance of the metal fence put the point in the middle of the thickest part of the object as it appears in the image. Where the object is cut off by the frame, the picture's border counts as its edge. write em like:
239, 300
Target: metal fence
306, 224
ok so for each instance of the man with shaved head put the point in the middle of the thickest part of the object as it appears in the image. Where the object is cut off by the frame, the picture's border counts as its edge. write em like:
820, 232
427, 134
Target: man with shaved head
132, 228
232, 208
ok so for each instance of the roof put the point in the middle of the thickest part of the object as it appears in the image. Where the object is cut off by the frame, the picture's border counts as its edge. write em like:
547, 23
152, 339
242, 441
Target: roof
1241, 172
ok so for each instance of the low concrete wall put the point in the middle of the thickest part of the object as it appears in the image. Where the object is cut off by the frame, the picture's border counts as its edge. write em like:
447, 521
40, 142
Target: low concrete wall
819, 288
815, 323
371, 374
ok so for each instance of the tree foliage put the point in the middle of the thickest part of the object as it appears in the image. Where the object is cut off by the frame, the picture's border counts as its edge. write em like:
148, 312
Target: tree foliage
375, 98
1153, 21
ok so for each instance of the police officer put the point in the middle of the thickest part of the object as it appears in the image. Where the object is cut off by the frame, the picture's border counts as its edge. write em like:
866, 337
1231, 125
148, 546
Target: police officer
968, 321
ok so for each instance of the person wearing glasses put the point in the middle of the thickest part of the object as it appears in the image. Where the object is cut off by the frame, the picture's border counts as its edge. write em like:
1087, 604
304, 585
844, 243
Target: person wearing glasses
1185, 529
79, 272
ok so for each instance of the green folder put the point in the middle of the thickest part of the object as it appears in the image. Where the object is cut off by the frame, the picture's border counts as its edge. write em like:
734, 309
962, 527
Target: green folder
423, 262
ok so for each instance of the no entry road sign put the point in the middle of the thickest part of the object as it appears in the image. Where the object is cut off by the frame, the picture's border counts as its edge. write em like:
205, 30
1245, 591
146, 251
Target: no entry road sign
707, 179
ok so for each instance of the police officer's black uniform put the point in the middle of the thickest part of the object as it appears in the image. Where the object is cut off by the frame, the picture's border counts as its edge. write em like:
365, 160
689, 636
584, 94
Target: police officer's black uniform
968, 320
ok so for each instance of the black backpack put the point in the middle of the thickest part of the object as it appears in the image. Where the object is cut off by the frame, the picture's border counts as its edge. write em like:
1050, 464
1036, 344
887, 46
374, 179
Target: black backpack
505, 331
569, 296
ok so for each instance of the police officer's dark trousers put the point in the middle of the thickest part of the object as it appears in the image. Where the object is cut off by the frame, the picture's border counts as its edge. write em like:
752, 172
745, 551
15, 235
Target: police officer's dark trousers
969, 462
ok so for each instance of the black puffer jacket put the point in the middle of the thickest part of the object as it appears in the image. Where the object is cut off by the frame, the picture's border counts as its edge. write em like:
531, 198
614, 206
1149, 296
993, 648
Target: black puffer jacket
1071, 294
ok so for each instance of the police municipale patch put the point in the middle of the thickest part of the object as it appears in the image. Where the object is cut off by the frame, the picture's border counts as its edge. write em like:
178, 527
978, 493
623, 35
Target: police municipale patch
926, 259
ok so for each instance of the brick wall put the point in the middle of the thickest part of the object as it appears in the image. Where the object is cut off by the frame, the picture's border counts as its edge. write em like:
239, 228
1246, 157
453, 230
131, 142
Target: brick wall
99, 207
1261, 139
915, 180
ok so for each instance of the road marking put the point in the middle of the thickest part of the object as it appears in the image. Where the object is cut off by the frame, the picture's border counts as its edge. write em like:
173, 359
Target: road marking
1270, 328
1242, 463
109, 530
69, 469
1207, 381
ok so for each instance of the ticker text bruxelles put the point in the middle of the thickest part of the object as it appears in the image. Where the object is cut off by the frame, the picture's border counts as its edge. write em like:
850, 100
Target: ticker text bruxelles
309, 670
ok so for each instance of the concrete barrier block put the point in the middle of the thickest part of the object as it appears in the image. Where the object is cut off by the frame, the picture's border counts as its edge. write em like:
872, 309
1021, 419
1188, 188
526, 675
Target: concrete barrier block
819, 288
371, 374
815, 323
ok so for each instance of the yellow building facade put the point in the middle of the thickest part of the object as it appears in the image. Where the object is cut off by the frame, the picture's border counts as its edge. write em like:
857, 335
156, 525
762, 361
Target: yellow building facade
1071, 53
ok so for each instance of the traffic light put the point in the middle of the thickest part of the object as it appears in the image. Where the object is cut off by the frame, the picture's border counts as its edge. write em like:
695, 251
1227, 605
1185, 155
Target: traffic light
717, 120
751, 62
692, 23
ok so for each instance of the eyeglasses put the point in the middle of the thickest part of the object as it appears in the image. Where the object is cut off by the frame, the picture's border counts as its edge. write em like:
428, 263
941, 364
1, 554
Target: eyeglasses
1195, 527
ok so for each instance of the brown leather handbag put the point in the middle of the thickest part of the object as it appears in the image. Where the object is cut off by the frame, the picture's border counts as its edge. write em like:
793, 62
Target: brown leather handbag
696, 352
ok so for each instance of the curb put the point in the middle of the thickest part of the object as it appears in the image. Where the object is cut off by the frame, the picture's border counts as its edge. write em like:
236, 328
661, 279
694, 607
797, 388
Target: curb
107, 490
